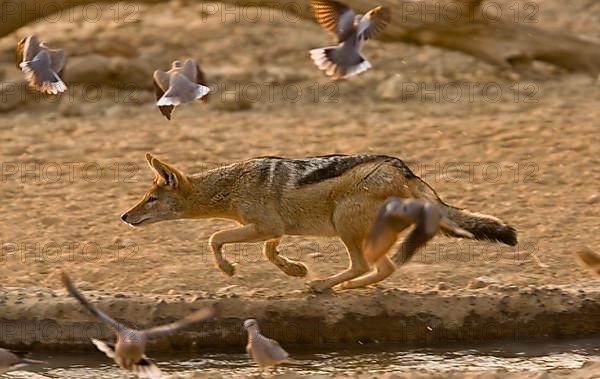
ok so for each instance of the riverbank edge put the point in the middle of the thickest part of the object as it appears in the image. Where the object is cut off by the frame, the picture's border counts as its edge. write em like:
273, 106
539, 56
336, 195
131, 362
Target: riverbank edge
42, 320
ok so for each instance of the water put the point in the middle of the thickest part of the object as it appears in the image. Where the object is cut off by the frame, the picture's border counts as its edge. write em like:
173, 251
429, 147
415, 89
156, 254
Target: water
520, 356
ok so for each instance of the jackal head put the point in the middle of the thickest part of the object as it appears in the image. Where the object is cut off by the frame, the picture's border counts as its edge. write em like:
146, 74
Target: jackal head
167, 198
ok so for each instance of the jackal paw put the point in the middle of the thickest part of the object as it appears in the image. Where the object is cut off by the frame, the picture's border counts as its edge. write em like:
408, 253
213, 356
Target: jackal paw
317, 286
227, 268
295, 269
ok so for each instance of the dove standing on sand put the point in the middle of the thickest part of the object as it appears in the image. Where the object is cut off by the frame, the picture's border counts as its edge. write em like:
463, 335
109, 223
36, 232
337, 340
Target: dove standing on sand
13, 360
397, 214
129, 350
351, 30
265, 351
42, 66
183, 83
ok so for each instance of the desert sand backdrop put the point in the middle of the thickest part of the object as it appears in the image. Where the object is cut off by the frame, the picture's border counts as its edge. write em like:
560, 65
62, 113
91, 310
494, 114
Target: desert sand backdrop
523, 148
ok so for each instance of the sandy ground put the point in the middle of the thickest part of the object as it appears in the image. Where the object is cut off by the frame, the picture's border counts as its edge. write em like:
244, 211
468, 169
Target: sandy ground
524, 149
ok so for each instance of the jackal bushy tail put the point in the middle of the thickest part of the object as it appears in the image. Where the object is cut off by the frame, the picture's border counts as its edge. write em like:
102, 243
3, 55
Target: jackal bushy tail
482, 226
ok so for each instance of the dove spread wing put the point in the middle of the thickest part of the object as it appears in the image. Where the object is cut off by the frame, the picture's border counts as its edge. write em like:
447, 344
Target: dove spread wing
379, 18
89, 306
335, 17
163, 330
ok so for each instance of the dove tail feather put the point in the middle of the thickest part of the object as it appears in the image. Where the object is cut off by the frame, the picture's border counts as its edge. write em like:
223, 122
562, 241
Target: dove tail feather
201, 91
168, 101
145, 368
103, 347
336, 65
42, 78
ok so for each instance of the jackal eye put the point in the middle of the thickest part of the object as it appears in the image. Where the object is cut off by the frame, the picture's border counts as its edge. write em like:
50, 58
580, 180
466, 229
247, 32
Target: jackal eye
151, 199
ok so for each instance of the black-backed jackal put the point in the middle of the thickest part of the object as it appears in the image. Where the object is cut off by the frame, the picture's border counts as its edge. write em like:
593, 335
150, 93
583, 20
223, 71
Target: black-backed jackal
327, 196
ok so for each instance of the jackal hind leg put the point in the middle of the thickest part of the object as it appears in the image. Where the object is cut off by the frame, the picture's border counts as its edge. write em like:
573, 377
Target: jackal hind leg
288, 266
353, 218
350, 218
383, 268
246, 233
358, 266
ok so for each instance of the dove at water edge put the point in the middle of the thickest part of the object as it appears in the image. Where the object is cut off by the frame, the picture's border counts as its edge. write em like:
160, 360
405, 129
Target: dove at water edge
351, 30
183, 83
265, 351
129, 349
42, 66
12, 360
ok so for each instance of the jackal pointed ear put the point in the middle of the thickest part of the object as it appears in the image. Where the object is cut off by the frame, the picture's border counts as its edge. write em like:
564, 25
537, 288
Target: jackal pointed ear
149, 158
167, 175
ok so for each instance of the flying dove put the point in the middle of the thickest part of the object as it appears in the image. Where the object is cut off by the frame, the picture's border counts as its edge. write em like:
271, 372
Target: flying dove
13, 360
42, 66
351, 31
589, 259
129, 350
265, 351
183, 83
397, 214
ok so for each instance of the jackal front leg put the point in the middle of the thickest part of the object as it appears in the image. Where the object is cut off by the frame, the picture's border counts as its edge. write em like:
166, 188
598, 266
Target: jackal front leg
286, 265
246, 233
